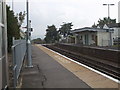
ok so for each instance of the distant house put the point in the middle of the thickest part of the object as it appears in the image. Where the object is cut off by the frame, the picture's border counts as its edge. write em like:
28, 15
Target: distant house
22, 34
92, 36
100, 26
62, 39
116, 30
70, 39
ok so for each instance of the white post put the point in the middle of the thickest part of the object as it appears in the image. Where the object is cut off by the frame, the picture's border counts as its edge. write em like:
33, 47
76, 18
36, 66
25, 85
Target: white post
102, 41
13, 40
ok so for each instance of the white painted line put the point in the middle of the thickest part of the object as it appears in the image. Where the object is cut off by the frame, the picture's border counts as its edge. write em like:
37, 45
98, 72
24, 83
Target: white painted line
109, 77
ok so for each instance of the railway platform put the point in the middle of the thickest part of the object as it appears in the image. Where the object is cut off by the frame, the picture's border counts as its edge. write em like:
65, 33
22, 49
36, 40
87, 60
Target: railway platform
52, 70
48, 73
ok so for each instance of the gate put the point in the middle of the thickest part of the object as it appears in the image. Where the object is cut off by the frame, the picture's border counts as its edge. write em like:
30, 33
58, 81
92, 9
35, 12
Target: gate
3, 47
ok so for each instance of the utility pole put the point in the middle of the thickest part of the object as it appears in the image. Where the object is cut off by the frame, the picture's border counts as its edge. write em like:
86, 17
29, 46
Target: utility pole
28, 44
110, 42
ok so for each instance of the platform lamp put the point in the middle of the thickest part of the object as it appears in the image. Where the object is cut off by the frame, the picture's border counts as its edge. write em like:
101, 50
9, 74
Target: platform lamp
28, 44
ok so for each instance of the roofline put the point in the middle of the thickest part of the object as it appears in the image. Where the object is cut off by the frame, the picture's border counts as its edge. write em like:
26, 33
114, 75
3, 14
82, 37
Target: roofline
88, 29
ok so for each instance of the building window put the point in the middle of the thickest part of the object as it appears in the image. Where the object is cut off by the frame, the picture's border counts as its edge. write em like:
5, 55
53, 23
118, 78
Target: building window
93, 37
3, 12
81, 37
0, 11
0, 29
3, 42
0, 42
3, 52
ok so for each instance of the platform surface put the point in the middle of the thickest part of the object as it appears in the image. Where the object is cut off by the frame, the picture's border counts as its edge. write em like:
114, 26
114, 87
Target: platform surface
48, 73
90, 77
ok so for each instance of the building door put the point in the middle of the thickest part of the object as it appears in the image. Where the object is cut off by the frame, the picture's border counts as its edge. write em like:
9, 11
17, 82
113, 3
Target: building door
96, 40
86, 40
3, 49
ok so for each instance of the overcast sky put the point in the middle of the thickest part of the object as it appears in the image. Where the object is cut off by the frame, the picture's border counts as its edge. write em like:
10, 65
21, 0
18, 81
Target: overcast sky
82, 13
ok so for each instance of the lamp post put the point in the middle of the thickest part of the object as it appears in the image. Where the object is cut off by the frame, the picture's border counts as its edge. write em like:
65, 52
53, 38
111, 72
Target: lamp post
108, 8
110, 43
28, 44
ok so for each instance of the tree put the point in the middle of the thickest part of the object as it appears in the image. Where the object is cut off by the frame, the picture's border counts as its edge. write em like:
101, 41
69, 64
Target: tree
13, 26
94, 25
21, 17
38, 41
105, 21
65, 29
52, 34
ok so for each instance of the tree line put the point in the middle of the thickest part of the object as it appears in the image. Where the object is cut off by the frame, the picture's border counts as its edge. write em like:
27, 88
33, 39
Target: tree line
14, 22
53, 34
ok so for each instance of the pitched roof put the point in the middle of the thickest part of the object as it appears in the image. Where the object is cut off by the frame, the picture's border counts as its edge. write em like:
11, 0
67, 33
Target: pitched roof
88, 29
101, 26
113, 25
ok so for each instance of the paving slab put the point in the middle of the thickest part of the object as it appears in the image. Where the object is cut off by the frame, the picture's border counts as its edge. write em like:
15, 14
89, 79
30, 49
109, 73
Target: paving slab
48, 73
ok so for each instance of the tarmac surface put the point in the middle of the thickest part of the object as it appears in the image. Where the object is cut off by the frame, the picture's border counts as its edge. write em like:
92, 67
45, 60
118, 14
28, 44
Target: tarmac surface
93, 78
48, 73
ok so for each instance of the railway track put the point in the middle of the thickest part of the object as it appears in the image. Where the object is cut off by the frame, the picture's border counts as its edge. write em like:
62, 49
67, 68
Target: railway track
112, 70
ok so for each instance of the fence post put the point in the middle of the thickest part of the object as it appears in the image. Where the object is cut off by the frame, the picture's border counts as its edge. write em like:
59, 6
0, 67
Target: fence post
13, 40
18, 54
14, 67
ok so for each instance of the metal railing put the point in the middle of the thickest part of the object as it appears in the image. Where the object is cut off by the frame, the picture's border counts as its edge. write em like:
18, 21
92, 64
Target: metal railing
19, 51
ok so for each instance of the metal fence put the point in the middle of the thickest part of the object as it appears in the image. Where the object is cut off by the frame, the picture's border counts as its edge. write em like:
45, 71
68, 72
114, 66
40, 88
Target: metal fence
19, 51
